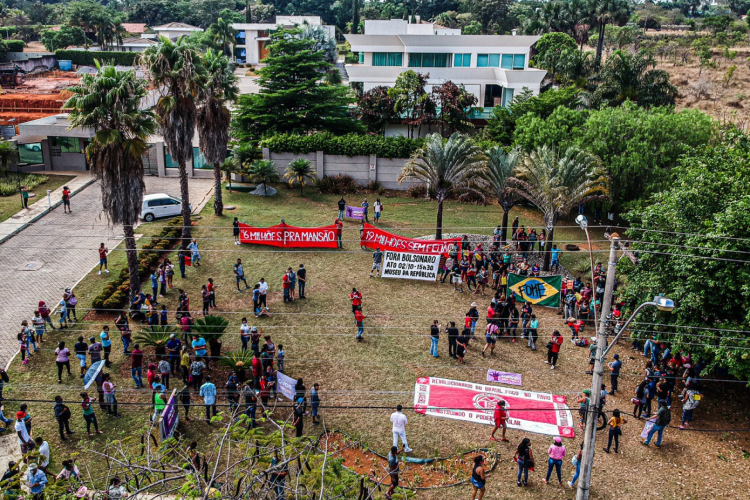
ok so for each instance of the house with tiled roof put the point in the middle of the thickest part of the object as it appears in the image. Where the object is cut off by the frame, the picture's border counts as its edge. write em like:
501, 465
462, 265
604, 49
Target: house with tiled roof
175, 30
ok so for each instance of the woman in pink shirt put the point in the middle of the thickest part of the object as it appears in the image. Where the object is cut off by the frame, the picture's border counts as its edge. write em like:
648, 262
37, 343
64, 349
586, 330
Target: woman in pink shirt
62, 360
556, 454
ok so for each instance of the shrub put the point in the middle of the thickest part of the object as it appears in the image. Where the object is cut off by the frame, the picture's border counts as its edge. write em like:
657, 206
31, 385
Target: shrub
346, 145
9, 186
376, 187
337, 184
87, 57
15, 45
419, 191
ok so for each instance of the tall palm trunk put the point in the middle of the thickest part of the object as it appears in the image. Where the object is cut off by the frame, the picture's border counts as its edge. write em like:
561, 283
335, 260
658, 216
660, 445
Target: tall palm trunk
504, 234
439, 226
548, 248
132, 255
600, 45
185, 194
218, 202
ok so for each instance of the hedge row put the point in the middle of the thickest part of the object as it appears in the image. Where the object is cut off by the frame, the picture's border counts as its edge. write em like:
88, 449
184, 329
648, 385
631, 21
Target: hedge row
86, 57
116, 292
14, 45
346, 145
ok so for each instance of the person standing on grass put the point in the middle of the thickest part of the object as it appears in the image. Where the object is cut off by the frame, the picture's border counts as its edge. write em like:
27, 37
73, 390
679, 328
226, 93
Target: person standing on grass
196, 371
490, 336
298, 420
473, 316
614, 373
501, 421
162, 278
81, 348
393, 471
525, 460
66, 199
195, 255
292, 283
452, 333
285, 286
45, 312
533, 332
106, 345
556, 454
109, 388
174, 346
342, 207
88, 414
25, 197
236, 230
378, 207
663, 417
122, 324
164, 370
462, 343
103, 251
154, 286
185, 364
359, 320
615, 430
208, 393
434, 338
399, 421
38, 323
136, 366
206, 298
169, 273
356, 299
302, 278
184, 398
62, 360
339, 230
478, 478
365, 205
377, 262
263, 287
95, 351
182, 256
315, 402
23, 434
239, 274
554, 349
37, 482
244, 334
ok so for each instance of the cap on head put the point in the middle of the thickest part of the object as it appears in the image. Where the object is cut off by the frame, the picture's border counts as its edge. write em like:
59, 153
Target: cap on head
20, 415
558, 439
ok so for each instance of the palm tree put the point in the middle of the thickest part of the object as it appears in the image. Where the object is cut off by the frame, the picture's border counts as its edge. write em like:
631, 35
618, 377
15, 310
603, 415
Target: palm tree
263, 171
223, 35
214, 117
450, 166
500, 168
604, 12
627, 76
176, 69
301, 172
108, 103
555, 184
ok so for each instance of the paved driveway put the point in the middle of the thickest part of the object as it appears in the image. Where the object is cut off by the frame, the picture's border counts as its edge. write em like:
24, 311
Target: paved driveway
60, 249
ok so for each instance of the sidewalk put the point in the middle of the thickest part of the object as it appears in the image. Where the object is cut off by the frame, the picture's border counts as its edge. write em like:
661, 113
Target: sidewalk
22, 219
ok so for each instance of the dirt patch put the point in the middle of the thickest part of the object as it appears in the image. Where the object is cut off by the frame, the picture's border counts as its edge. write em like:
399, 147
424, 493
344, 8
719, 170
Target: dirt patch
440, 473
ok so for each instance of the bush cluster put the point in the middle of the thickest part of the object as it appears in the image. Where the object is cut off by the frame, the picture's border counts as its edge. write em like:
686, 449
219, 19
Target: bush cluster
337, 184
345, 145
116, 292
9, 185
15, 45
86, 57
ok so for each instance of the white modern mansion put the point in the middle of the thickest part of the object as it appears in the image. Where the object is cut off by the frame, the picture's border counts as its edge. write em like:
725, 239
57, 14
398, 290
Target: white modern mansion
492, 67
251, 38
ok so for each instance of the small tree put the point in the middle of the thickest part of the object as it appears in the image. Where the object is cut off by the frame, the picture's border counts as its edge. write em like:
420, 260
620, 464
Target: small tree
702, 49
263, 171
65, 37
300, 171
550, 49
411, 102
376, 109
455, 105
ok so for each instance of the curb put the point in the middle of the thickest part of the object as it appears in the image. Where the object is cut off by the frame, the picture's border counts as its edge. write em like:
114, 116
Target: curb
44, 212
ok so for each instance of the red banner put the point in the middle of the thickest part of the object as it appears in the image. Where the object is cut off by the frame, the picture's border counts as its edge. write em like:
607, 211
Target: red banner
286, 236
373, 237
528, 411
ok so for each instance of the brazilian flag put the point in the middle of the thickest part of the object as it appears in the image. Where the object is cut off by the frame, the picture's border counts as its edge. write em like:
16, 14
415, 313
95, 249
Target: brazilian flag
543, 291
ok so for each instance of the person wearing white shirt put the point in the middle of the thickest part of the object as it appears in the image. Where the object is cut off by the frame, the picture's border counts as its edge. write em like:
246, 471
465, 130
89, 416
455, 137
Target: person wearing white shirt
43, 447
399, 421
23, 434
263, 288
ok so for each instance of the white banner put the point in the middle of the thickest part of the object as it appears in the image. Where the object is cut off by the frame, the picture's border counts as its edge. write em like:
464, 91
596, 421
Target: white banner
410, 266
285, 385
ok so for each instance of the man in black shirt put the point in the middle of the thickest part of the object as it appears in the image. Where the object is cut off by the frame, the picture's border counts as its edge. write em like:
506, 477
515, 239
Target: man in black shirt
81, 348
452, 332
434, 337
473, 315
342, 207
297, 419
302, 279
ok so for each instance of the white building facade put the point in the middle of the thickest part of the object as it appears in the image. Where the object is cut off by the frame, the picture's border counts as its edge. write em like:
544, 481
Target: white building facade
252, 38
492, 67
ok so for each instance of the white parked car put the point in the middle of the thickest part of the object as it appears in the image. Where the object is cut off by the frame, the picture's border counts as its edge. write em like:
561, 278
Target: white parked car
160, 205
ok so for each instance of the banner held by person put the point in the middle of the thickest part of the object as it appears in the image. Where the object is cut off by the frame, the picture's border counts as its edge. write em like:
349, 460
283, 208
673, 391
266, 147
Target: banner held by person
373, 237
504, 377
170, 417
542, 291
286, 385
92, 373
286, 236
411, 266
536, 412
357, 213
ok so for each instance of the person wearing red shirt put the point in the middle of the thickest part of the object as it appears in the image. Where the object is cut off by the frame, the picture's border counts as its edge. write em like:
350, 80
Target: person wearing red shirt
103, 251
501, 417
356, 298
359, 318
66, 199
257, 370
285, 286
554, 348
339, 229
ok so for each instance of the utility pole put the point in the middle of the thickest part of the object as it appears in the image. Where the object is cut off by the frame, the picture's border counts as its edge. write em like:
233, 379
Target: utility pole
589, 438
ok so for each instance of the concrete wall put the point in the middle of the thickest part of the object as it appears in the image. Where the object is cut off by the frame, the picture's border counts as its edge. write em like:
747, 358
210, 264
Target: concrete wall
363, 169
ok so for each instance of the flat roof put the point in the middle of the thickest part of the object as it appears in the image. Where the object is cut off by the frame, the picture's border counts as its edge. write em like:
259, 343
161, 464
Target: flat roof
443, 40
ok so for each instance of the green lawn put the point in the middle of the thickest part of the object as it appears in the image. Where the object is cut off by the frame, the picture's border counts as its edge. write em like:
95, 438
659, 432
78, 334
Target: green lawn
367, 379
11, 205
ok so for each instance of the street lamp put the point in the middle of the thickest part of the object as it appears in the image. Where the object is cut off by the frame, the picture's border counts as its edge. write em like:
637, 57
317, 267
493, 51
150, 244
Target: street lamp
581, 221
589, 438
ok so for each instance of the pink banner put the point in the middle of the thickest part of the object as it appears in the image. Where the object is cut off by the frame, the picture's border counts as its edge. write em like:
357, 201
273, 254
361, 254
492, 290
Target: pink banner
536, 412
504, 377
